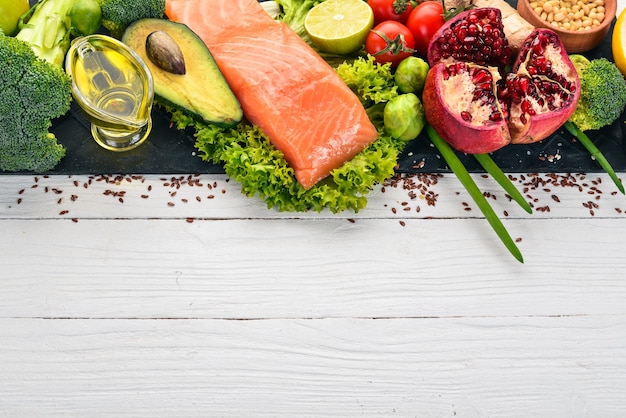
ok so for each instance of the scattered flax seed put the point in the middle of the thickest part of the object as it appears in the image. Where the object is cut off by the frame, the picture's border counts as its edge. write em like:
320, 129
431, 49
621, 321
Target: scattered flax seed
170, 204
74, 220
144, 196
419, 165
555, 198
351, 220
189, 220
506, 213
64, 212
21, 191
402, 223
19, 200
518, 239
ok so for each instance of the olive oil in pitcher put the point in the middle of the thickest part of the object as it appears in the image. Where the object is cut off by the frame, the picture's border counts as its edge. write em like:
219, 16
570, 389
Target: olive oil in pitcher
114, 88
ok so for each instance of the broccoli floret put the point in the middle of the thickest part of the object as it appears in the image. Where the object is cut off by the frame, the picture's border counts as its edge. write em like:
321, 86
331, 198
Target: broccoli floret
117, 15
32, 93
602, 93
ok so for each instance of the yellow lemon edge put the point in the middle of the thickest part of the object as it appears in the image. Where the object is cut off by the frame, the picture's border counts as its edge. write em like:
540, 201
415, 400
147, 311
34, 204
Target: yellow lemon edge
618, 42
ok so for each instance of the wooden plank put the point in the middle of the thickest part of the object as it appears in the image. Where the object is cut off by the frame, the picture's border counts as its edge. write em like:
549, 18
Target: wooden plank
467, 367
293, 268
215, 197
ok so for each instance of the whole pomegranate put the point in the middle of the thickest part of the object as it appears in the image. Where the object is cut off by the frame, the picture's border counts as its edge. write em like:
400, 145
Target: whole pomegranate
477, 106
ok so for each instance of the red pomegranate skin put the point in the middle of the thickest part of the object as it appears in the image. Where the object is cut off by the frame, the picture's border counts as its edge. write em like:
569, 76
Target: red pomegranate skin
460, 134
546, 119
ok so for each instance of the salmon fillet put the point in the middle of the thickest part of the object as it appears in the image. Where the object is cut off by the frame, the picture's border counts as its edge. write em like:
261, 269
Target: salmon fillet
284, 87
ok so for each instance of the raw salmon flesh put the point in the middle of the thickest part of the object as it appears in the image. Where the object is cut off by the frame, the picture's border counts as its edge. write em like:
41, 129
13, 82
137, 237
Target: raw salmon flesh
283, 85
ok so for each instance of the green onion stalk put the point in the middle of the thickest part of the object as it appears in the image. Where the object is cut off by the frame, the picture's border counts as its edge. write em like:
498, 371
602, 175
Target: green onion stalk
466, 180
595, 152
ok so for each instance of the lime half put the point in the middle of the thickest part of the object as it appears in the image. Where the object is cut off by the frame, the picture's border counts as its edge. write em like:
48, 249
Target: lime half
339, 26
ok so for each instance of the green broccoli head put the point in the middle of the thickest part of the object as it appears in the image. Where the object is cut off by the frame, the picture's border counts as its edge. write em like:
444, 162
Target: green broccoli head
602, 93
32, 93
117, 15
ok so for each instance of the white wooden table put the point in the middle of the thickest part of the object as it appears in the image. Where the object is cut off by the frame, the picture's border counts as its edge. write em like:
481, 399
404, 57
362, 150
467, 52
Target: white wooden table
177, 296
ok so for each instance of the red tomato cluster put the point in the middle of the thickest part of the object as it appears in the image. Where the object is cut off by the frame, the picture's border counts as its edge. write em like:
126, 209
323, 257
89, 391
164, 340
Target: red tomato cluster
402, 29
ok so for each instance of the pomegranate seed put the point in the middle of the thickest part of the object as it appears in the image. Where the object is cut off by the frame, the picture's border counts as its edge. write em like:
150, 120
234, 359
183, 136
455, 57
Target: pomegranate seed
495, 117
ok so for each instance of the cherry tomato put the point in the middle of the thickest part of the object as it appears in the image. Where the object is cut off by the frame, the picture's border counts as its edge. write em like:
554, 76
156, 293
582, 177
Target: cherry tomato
423, 22
390, 41
398, 10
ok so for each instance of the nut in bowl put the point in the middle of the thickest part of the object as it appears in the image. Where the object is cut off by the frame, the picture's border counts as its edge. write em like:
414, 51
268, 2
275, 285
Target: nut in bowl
581, 24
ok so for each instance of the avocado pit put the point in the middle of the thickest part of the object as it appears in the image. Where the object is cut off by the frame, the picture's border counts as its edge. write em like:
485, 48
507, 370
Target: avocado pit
165, 53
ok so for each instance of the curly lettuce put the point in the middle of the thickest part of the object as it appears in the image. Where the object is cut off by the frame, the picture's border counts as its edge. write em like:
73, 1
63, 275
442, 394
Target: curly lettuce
248, 157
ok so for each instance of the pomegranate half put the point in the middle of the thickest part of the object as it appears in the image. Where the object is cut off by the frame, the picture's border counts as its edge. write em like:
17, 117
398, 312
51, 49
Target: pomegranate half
476, 105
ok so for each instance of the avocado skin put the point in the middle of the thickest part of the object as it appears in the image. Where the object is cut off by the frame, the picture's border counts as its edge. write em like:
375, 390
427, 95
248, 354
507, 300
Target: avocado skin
202, 92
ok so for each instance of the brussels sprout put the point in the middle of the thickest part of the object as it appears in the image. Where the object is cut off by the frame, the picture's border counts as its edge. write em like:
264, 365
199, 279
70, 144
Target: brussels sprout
86, 17
411, 74
404, 116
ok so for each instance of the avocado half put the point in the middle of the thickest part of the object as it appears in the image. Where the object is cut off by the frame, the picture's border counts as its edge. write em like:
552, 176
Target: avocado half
202, 92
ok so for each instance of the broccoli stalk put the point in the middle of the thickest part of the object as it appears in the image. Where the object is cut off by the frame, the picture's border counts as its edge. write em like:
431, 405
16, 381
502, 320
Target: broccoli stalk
602, 101
48, 26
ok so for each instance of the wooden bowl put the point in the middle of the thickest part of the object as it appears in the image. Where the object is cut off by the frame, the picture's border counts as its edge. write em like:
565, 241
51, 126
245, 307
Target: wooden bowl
575, 41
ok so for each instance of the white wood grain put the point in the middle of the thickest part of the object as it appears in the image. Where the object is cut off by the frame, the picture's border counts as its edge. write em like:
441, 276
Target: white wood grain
437, 367
222, 307
293, 268
215, 197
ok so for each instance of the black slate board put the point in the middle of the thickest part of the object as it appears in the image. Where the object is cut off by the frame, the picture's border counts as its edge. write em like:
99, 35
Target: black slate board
171, 151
